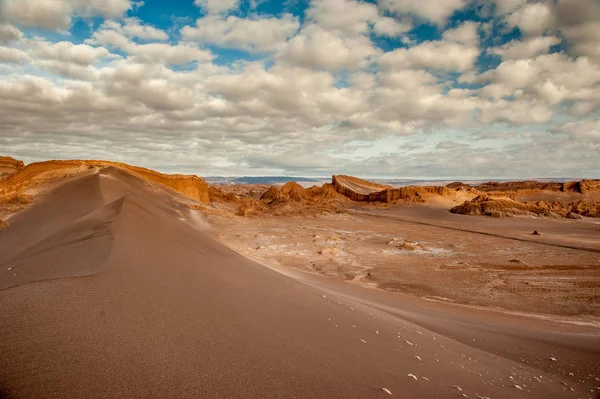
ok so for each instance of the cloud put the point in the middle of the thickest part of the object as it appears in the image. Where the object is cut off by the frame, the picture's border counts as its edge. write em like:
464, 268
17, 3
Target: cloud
507, 6
457, 51
386, 26
216, 6
548, 78
257, 34
115, 35
578, 22
516, 49
348, 85
134, 28
464, 34
532, 19
12, 55
9, 34
437, 11
57, 14
81, 54
315, 47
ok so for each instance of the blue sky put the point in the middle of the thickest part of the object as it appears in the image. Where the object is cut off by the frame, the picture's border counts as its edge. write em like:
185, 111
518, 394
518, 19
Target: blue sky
387, 88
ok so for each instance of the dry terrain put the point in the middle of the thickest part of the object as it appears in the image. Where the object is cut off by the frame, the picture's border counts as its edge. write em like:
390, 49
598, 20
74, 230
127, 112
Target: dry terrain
118, 281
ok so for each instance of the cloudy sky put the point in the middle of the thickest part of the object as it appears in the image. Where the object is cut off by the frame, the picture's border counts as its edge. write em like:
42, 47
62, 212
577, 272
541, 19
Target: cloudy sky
402, 88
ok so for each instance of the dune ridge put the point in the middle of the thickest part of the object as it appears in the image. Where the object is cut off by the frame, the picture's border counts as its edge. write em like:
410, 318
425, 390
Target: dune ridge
38, 173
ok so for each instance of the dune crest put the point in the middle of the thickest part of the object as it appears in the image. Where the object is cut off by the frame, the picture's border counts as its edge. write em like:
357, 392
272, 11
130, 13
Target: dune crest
39, 174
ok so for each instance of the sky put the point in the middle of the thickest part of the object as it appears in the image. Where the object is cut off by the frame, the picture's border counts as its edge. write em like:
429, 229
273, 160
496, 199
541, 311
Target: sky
438, 89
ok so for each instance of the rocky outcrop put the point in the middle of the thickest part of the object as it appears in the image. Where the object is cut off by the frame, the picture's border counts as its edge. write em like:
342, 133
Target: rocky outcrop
498, 206
37, 173
274, 193
356, 189
295, 192
364, 191
9, 165
582, 186
530, 186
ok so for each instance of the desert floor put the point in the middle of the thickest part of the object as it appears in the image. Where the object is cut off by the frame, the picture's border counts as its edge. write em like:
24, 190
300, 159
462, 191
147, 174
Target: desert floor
433, 254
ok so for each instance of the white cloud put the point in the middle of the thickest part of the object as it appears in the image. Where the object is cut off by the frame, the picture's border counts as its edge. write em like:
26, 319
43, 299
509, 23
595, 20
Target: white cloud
133, 28
578, 22
342, 15
545, 81
9, 33
260, 34
12, 55
463, 34
81, 54
437, 11
527, 48
113, 35
533, 18
516, 112
588, 130
386, 26
216, 6
508, 6
178, 54
315, 47
437, 55
57, 14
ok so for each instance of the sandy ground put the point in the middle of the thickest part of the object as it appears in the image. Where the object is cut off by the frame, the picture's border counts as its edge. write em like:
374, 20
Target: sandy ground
112, 287
428, 252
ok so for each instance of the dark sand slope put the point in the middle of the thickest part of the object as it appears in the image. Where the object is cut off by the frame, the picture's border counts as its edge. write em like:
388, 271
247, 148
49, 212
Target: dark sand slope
110, 294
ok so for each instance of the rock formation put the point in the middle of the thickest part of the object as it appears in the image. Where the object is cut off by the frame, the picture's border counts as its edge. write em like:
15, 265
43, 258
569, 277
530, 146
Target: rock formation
365, 191
529, 186
357, 189
499, 206
9, 165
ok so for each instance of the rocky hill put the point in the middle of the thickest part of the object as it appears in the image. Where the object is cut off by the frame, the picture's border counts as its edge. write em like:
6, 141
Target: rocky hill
9, 165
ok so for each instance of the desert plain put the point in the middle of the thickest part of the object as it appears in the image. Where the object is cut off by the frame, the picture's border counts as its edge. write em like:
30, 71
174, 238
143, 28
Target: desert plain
119, 281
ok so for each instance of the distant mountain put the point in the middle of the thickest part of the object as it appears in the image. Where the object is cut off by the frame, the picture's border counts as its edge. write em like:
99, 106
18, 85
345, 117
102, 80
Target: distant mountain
270, 180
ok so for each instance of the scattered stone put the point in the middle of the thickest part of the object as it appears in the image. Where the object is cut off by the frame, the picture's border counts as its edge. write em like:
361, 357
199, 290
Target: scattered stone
535, 233
386, 391
457, 387
412, 376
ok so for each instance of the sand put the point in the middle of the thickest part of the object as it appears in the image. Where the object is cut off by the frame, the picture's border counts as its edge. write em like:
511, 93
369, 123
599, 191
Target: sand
114, 290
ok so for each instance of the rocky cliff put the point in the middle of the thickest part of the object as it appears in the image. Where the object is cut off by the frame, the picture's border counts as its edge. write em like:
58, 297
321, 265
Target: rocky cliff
357, 189
365, 191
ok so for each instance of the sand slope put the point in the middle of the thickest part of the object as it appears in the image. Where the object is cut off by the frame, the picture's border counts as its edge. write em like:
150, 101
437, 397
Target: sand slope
111, 294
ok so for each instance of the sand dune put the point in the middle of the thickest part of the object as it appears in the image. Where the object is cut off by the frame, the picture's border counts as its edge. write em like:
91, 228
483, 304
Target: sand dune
107, 289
